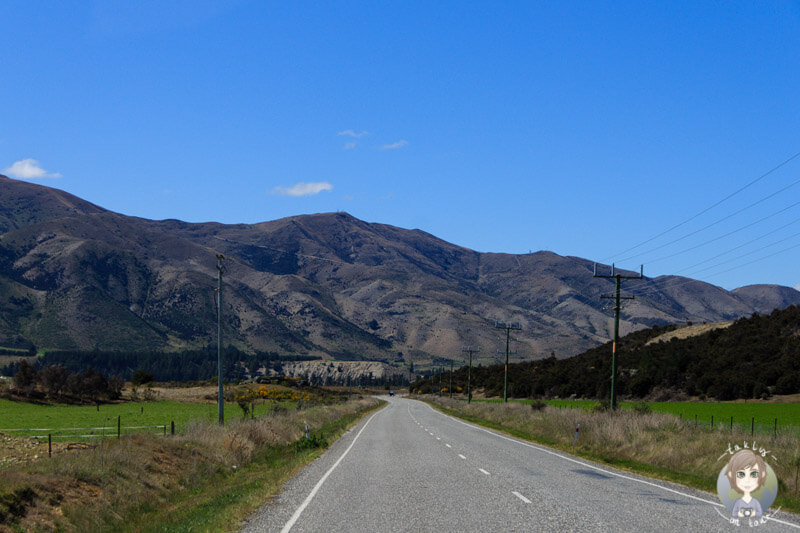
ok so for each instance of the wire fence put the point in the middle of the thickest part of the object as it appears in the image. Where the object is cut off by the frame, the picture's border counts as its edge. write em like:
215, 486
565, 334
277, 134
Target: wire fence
88, 433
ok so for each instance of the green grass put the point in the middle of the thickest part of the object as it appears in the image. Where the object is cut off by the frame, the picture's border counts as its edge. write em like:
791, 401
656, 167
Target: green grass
22, 415
760, 415
787, 414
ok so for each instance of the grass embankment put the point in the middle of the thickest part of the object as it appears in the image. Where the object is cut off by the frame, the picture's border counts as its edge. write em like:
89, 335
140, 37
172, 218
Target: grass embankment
762, 417
654, 444
207, 479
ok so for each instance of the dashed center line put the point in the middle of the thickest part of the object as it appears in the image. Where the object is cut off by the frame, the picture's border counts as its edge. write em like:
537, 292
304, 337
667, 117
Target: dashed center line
484, 471
448, 445
520, 496
461, 456
438, 438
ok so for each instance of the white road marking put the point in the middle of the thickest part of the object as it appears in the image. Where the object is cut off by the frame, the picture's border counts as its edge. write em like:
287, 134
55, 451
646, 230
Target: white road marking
609, 472
484, 471
316, 488
448, 445
438, 438
461, 456
520, 496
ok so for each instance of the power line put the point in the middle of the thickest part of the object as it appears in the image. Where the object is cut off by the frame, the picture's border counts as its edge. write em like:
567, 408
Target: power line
677, 282
795, 221
706, 210
719, 221
742, 228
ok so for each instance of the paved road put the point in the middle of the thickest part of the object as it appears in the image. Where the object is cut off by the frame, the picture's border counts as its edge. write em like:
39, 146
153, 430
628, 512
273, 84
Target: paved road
410, 468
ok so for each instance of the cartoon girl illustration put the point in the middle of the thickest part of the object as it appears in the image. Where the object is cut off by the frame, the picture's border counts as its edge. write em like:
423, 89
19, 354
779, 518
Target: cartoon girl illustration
746, 472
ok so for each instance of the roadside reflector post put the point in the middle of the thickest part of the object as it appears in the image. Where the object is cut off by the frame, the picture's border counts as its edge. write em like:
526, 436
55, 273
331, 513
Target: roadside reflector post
577, 430
308, 432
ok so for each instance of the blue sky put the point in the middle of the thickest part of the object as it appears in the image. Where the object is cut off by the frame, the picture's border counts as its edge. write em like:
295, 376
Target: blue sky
584, 128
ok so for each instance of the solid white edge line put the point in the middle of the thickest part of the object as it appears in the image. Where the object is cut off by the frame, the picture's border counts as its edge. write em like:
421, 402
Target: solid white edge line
588, 465
316, 488
520, 496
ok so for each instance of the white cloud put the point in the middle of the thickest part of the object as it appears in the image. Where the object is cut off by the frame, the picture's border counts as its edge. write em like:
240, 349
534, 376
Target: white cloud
352, 133
394, 146
303, 189
349, 146
27, 169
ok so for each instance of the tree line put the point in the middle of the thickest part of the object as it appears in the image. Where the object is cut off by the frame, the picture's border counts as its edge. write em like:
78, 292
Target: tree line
755, 357
188, 365
56, 382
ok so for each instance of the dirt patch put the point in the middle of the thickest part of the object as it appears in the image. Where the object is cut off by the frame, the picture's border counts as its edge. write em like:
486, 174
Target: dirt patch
199, 394
23, 450
689, 331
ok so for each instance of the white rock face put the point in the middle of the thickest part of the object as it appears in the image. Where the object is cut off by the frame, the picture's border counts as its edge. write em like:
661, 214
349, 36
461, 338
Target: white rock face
339, 372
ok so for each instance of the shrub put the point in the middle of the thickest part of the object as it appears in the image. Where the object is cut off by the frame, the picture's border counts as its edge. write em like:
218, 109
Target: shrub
313, 441
642, 408
604, 405
538, 405
141, 377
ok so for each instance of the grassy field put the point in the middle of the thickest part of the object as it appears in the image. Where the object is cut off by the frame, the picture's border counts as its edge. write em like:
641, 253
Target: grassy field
18, 418
761, 416
56, 418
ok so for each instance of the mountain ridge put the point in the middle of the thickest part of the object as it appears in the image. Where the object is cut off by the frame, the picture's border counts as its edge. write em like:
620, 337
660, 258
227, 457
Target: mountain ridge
76, 276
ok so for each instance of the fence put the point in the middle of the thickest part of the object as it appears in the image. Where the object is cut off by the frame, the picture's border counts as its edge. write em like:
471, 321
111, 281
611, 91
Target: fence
755, 425
743, 424
87, 433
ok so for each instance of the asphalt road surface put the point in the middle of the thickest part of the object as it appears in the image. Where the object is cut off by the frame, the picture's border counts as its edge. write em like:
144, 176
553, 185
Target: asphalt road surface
410, 468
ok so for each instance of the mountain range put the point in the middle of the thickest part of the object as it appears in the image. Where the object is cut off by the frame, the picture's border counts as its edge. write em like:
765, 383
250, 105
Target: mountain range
74, 275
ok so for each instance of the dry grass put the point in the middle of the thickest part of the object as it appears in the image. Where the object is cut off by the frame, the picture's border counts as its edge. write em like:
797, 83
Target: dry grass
98, 489
653, 443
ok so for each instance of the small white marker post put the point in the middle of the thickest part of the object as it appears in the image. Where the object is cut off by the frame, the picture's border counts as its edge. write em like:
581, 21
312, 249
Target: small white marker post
575, 440
307, 432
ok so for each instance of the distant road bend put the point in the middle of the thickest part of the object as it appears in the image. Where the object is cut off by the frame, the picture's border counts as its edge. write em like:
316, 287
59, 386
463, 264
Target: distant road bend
411, 468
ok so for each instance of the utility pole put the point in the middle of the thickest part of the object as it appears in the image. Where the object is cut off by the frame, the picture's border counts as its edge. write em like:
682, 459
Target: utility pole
617, 307
451, 378
508, 327
218, 302
470, 350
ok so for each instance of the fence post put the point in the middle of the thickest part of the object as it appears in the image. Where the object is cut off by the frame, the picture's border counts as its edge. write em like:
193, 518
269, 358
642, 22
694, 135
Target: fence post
49, 445
752, 426
731, 423
165, 430
119, 426
695, 420
712, 421
172, 428
776, 427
